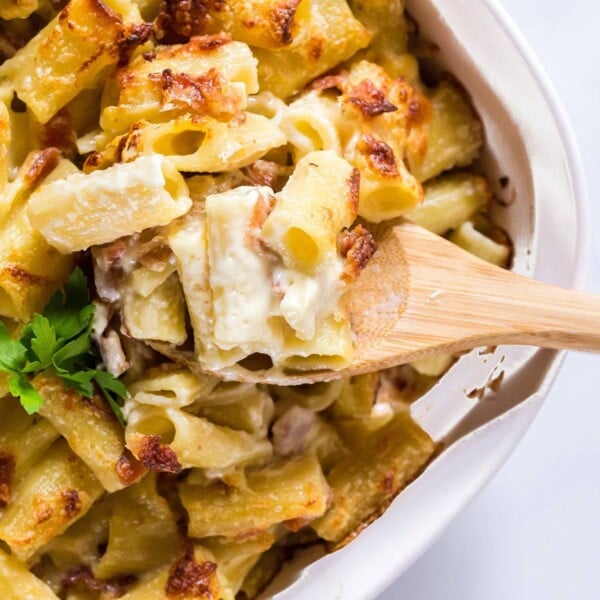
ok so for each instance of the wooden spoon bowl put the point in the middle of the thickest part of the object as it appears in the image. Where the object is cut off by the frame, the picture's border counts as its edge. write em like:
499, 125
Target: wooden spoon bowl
421, 296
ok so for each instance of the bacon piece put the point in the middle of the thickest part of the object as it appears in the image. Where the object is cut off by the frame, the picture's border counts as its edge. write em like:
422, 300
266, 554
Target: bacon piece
158, 457
129, 469
291, 430
357, 246
270, 174
330, 81
179, 19
40, 165
58, 133
82, 577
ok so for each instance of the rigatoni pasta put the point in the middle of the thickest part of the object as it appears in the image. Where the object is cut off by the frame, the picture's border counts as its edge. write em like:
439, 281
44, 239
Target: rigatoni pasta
198, 144
213, 170
88, 428
57, 491
70, 52
191, 441
205, 76
293, 491
105, 205
31, 269
158, 538
16, 582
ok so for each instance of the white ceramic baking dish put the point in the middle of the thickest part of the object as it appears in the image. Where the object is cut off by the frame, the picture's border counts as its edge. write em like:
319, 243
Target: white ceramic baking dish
529, 141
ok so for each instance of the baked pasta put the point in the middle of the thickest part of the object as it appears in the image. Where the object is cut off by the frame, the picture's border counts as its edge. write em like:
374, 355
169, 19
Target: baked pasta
202, 176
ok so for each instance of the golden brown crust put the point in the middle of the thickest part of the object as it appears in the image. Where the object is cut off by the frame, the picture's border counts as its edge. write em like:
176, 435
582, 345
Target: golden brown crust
129, 469
72, 503
189, 579
204, 94
7, 472
208, 43
420, 113
282, 19
41, 165
100, 10
71, 399
181, 19
380, 156
133, 36
23, 277
315, 50
109, 29
369, 99
354, 190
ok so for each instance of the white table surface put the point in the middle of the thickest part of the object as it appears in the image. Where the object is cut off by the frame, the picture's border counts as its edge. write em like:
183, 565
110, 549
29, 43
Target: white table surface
534, 532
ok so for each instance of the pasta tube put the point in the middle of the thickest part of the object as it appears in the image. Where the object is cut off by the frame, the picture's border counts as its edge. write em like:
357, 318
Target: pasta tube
57, 491
69, 53
105, 205
332, 37
453, 137
203, 144
17, 583
479, 244
90, 429
293, 491
192, 441
207, 76
362, 488
31, 270
156, 539
450, 201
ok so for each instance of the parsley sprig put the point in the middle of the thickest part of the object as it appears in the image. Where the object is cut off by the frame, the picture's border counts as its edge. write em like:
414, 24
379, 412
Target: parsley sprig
59, 342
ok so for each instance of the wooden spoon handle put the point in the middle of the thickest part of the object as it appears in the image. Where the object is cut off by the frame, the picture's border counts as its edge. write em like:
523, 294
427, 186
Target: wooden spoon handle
535, 314
455, 301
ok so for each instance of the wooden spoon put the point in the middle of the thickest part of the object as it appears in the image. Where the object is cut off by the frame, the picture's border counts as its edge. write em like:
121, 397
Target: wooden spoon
421, 295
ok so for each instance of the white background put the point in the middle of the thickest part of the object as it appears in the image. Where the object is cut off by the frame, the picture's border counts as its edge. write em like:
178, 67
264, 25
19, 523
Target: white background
534, 532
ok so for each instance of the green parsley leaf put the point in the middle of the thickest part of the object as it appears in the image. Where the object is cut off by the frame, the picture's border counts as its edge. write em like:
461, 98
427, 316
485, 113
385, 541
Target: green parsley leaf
12, 353
115, 407
59, 342
44, 343
108, 383
21, 388
66, 356
70, 312
80, 381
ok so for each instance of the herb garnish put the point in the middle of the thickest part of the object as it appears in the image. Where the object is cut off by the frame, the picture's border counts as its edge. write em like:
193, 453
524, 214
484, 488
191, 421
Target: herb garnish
59, 342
